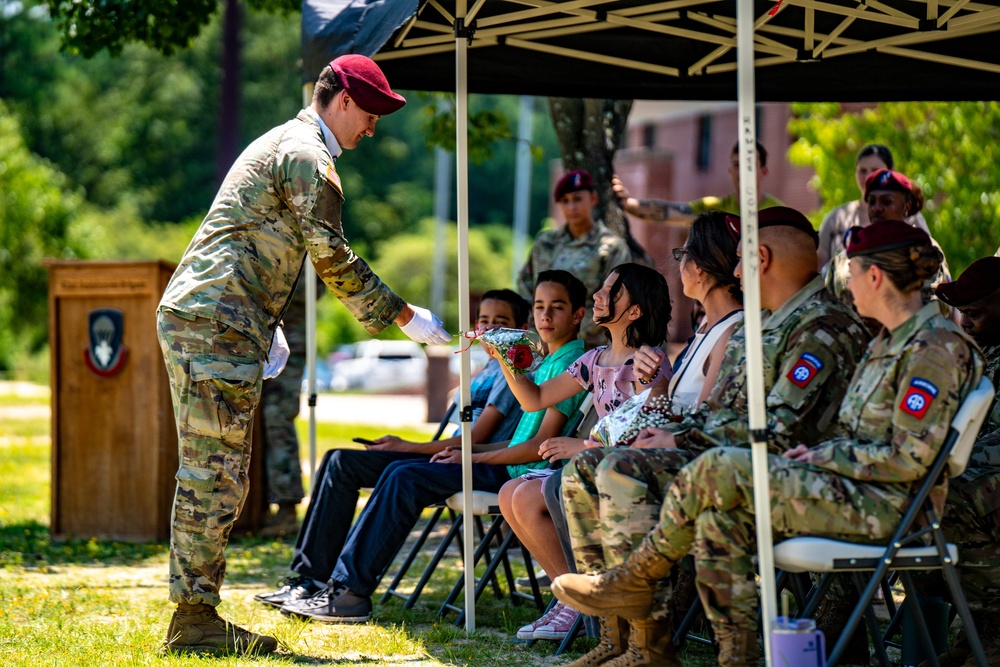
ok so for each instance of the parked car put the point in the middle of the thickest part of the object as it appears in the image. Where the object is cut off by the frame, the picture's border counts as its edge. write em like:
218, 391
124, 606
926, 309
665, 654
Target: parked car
381, 365
323, 377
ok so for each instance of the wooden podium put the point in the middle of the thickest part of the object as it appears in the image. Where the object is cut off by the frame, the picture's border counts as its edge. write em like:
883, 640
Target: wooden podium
114, 439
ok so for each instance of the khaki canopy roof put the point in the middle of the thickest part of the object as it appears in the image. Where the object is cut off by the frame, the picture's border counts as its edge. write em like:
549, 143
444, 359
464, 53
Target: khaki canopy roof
805, 50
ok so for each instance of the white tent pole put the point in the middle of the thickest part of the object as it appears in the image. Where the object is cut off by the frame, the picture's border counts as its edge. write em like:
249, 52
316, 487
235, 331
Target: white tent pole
464, 319
309, 275
752, 317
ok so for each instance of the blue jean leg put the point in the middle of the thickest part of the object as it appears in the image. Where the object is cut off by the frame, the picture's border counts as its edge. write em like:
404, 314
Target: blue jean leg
403, 491
342, 474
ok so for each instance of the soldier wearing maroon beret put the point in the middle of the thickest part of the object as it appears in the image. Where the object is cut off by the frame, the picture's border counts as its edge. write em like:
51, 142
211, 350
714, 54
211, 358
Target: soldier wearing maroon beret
280, 203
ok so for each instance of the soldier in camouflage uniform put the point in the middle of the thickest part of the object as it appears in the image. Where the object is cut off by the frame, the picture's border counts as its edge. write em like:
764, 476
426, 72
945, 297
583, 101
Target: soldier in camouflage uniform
857, 484
613, 495
585, 248
281, 199
971, 512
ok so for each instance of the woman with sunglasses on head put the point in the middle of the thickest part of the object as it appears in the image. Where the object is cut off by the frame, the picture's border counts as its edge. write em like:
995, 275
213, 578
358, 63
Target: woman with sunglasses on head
857, 483
706, 264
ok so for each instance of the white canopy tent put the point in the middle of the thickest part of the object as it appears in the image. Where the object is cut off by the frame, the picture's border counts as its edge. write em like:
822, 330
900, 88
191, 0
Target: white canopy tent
679, 49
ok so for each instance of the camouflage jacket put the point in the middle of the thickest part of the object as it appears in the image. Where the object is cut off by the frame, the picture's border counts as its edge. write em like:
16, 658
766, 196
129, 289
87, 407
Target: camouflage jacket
900, 404
986, 451
811, 345
590, 258
281, 198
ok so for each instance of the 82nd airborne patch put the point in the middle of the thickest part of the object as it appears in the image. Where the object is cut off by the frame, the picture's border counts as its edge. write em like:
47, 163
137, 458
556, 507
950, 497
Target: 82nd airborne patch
805, 370
918, 397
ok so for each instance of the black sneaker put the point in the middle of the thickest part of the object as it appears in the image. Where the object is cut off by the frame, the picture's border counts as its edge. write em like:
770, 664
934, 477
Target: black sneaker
292, 588
336, 604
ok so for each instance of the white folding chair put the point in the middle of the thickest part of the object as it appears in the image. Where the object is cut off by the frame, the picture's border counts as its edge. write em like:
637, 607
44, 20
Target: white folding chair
919, 525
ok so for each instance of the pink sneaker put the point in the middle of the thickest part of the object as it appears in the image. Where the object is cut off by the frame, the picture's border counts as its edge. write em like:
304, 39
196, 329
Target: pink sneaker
558, 625
527, 632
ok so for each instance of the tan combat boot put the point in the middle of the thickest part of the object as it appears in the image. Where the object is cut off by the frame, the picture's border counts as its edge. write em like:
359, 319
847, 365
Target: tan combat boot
614, 636
198, 628
626, 590
737, 647
649, 645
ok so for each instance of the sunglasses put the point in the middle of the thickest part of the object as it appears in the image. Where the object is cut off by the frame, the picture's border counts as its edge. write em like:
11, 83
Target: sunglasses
679, 253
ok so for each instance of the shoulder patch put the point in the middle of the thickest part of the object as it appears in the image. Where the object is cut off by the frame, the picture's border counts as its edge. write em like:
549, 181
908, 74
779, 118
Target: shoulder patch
334, 178
918, 397
805, 370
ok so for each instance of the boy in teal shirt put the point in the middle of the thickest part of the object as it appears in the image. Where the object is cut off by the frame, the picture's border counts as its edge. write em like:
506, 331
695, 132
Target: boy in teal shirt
406, 487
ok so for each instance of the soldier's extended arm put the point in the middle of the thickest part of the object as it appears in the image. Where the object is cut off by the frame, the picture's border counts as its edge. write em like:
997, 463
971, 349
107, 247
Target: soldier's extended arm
348, 276
660, 210
654, 210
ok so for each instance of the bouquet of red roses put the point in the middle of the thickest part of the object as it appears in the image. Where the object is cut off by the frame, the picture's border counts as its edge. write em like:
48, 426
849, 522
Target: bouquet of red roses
521, 351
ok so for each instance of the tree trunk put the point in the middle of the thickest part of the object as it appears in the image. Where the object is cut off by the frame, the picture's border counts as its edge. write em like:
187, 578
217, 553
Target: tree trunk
589, 132
228, 147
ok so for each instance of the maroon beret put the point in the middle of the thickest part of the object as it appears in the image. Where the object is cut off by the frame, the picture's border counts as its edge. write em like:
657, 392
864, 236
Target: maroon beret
776, 216
881, 236
573, 181
366, 84
886, 179
981, 279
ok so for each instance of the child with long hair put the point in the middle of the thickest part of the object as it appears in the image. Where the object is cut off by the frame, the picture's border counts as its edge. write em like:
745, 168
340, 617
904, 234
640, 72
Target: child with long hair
633, 306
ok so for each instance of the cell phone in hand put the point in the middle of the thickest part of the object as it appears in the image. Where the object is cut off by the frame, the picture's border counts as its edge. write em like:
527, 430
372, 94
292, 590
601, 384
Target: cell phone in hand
363, 441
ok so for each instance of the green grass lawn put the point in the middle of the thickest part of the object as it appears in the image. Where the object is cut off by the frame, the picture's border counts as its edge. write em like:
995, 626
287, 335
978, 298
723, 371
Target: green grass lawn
87, 602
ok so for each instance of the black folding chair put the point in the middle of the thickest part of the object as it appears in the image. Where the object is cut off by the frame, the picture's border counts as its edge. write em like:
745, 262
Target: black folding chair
488, 504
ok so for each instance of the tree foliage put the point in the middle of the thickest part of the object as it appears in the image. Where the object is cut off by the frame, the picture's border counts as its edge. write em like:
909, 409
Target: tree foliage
36, 209
91, 26
951, 150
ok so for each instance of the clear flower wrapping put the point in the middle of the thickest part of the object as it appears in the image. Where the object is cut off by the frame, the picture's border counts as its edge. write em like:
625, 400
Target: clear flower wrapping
520, 350
619, 427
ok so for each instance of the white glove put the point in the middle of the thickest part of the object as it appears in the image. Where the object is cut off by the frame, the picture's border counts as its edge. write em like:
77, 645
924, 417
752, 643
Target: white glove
425, 327
278, 356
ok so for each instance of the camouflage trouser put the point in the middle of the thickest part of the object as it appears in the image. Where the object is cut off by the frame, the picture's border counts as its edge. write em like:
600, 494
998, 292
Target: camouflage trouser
215, 380
709, 511
612, 498
972, 521
279, 408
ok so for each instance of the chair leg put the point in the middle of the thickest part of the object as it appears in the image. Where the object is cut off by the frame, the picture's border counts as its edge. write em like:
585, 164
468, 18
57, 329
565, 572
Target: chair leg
874, 632
410, 557
500, 557
958, 599
483, 548
456, 525
912, 602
